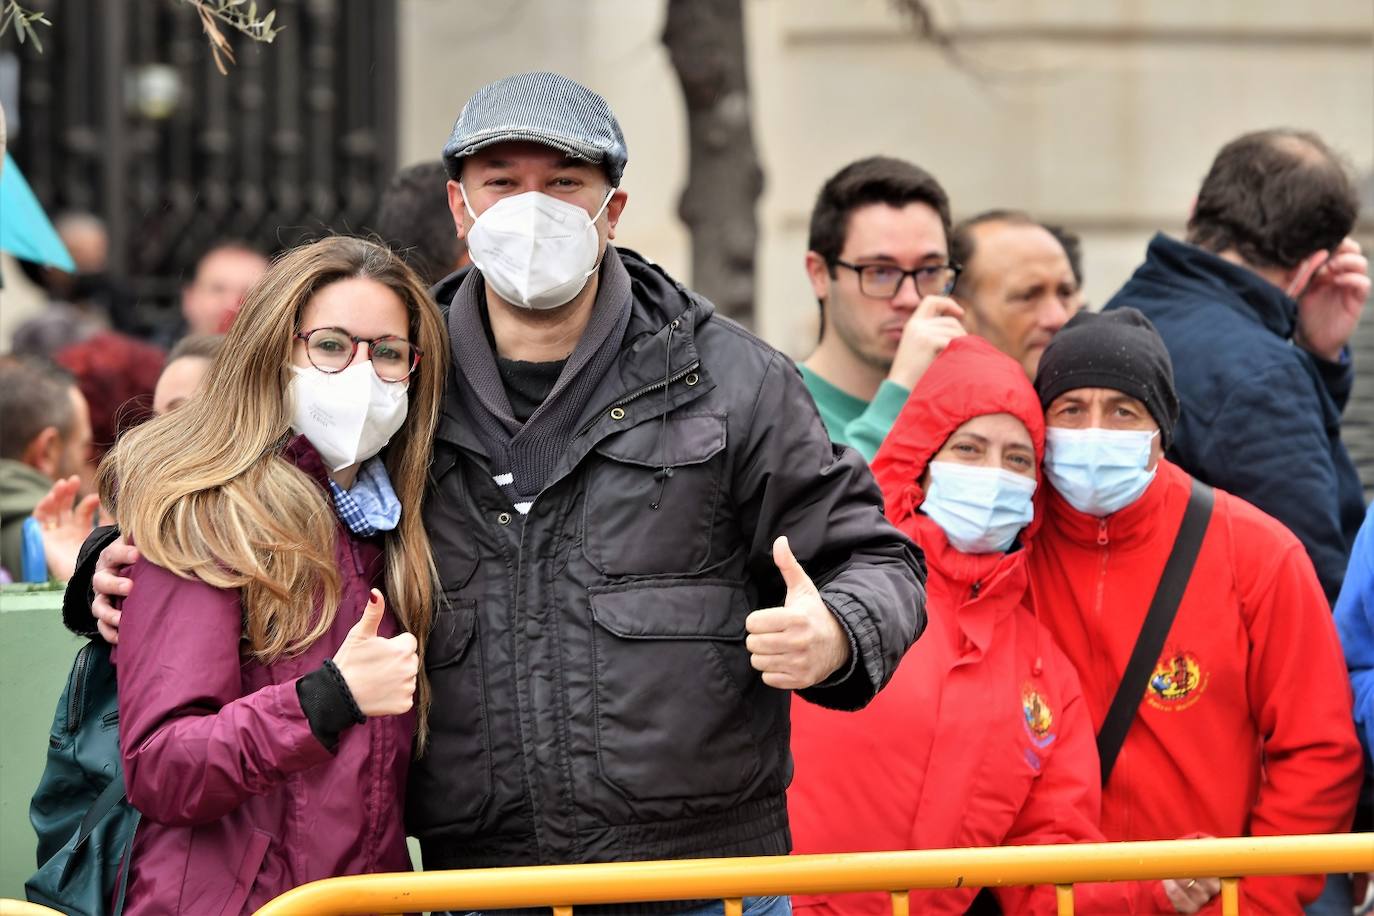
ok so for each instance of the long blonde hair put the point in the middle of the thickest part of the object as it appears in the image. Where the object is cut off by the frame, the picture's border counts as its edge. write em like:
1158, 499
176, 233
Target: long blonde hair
206, 493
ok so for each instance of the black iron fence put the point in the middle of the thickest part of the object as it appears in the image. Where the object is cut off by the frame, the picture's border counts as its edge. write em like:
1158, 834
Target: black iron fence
124, 114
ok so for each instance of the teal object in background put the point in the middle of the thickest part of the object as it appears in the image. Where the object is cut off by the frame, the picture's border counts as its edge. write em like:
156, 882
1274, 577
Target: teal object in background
36, 654
25, 230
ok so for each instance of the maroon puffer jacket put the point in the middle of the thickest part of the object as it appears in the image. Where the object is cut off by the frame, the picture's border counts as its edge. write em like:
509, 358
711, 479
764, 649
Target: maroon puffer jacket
240, 801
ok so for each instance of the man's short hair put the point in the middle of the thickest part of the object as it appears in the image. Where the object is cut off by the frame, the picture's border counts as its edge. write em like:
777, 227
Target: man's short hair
962, 243
1073, 249
35, 393
413, 219
1275, 197
876, 180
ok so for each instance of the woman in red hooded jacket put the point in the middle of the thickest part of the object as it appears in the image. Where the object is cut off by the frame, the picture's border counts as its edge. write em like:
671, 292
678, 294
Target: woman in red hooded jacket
982, 737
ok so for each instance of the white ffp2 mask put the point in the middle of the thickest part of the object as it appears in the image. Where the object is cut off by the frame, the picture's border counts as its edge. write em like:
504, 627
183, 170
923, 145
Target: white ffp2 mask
534, 250
349, 415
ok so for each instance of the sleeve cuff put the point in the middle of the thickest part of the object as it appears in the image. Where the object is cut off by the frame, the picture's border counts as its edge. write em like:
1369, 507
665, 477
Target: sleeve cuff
328, 704
1338, 376
866, 432
845, 671
887, 404
855, 684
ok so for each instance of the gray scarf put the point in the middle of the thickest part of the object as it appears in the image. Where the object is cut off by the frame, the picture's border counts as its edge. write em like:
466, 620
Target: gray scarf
523, 457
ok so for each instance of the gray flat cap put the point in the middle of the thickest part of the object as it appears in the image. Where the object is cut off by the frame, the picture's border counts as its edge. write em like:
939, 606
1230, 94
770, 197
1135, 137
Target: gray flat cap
541, 108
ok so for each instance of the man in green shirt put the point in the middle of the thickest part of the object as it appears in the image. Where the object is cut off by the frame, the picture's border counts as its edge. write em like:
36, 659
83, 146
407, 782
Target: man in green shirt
879, 266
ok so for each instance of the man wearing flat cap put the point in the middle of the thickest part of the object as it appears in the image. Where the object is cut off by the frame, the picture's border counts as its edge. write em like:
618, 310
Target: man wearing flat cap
644, 537
1235, 710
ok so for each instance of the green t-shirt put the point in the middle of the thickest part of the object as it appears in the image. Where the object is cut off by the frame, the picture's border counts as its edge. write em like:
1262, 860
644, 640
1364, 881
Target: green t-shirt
851, 421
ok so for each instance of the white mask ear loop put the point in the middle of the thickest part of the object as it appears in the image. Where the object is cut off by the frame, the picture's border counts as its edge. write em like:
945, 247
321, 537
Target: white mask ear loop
467, 206
602, 209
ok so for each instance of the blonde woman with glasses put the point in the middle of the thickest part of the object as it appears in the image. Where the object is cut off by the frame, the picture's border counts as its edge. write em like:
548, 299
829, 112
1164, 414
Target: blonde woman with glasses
270, 689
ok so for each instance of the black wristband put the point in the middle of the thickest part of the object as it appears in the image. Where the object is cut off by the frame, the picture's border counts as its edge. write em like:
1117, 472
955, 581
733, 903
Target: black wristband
337, 675
328, 704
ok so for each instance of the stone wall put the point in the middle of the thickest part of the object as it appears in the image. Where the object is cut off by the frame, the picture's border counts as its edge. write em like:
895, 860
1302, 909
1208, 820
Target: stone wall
1102, 115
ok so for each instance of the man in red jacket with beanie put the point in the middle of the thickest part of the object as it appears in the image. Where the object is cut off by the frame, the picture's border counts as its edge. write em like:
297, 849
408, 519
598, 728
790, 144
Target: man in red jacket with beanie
1244, 725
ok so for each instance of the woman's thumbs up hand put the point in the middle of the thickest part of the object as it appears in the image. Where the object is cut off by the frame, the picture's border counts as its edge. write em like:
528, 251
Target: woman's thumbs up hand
380, 672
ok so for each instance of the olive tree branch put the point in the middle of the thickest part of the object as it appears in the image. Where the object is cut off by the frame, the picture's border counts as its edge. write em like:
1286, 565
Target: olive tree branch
238, 15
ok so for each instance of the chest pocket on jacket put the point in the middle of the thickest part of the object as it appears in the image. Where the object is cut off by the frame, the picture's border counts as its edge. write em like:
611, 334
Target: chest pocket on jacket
623, 534
674, 689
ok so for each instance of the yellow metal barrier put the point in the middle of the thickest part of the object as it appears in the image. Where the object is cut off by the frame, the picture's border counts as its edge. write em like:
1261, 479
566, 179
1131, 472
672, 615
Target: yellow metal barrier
562, 887
10, 907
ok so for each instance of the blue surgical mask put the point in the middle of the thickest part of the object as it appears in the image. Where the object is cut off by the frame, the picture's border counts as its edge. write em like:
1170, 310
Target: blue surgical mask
980, 510
1099, 471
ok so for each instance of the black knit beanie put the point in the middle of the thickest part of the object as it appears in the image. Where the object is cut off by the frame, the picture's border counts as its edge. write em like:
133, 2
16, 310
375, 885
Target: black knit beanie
1118, 349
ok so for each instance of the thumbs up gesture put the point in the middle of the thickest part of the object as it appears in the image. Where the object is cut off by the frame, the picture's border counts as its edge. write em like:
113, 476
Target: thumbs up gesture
380, 672
801, 643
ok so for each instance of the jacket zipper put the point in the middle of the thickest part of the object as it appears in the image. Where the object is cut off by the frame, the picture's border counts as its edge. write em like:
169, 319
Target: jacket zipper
647, 389
77, 693
1103, 552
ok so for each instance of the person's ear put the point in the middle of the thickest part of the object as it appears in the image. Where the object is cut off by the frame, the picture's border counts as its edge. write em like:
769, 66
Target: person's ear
614, 207
457, 207
818, 272
44, 452
1300, 277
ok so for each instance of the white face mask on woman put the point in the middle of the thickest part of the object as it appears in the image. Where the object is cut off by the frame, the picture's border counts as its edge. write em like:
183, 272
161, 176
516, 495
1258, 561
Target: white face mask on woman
980, 510
349, 415
535, 251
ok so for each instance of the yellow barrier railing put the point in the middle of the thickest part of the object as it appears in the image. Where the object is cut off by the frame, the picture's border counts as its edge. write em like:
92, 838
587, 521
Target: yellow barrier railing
561, 887
10, 907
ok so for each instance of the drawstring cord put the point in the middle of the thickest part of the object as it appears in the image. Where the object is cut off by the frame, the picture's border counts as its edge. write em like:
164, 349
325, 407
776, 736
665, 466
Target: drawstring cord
664, 472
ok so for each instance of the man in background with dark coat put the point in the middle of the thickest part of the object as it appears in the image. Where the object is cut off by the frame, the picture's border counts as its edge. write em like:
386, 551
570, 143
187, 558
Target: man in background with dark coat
1257, 308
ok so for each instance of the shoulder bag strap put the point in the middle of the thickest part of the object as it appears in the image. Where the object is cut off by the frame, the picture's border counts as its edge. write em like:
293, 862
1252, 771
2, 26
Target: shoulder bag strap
1172, 583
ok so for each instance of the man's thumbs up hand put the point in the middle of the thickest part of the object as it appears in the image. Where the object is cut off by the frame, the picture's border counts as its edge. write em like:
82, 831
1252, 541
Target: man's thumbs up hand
801, 643
380, 672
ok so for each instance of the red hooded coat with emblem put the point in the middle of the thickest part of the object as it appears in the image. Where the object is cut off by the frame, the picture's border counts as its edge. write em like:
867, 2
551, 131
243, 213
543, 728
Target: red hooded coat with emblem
982, 737
1245, 728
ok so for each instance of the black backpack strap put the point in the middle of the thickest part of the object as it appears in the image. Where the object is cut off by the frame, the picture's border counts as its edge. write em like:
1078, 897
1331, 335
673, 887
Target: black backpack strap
1172, 583
112, 795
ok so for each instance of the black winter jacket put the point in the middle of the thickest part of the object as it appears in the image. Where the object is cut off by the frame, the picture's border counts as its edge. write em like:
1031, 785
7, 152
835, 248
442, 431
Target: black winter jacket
593, 698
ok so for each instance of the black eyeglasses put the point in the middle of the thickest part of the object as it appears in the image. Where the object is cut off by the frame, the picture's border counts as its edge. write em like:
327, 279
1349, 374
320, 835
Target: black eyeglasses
332, 350
881, 281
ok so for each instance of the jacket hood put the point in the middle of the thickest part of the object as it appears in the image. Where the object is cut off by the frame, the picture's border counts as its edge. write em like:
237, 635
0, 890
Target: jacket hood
969, 379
